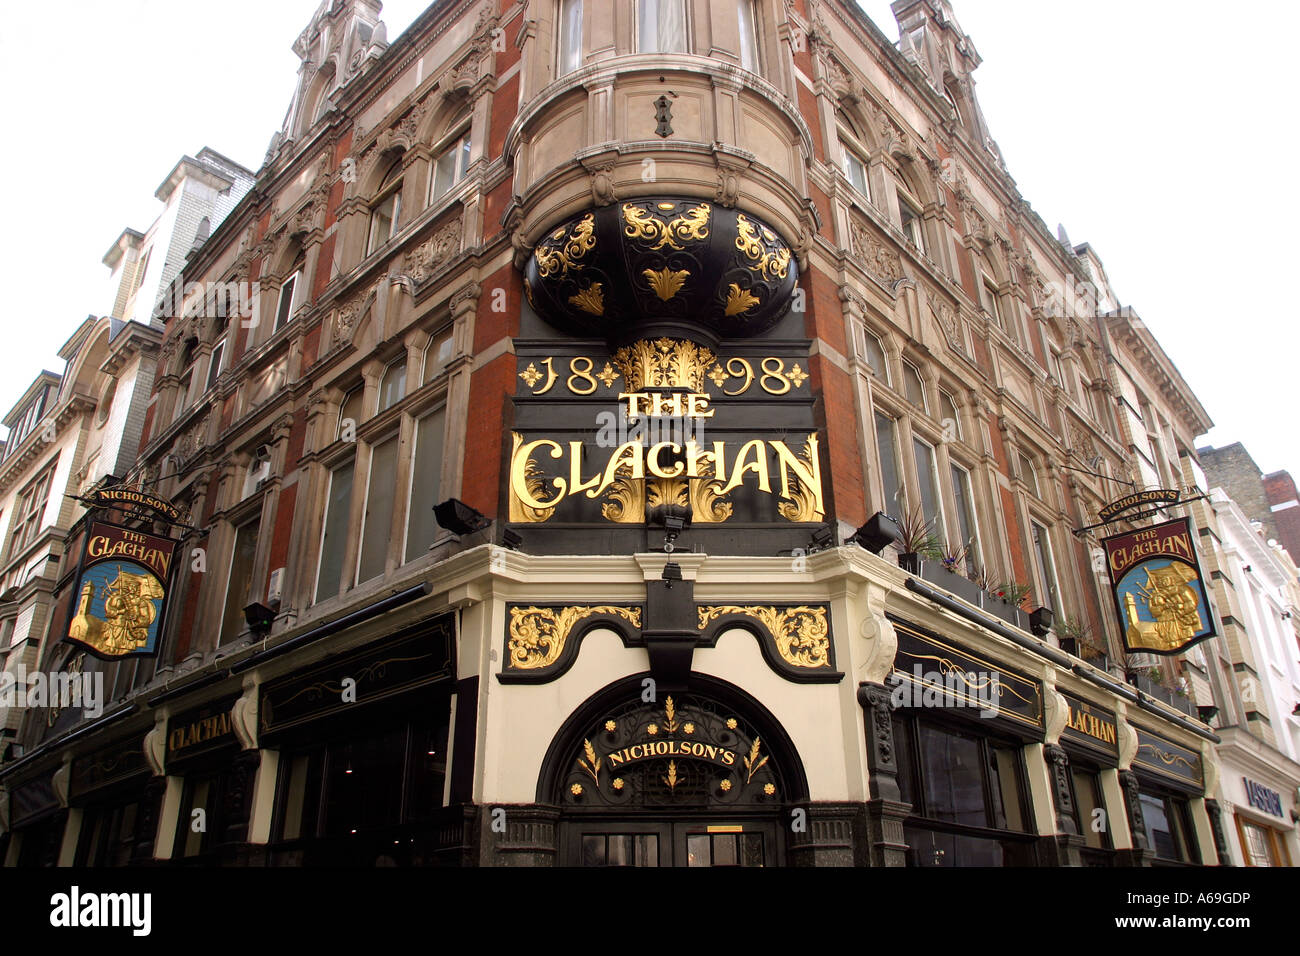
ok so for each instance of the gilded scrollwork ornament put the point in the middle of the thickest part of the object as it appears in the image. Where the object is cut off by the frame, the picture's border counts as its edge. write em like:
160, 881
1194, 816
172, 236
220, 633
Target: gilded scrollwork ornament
801, 634
538, 635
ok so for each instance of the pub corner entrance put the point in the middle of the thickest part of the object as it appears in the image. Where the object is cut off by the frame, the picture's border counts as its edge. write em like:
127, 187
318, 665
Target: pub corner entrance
703, 777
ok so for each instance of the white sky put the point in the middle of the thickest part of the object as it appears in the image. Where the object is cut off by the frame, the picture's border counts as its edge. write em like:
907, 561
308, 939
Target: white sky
1133, 122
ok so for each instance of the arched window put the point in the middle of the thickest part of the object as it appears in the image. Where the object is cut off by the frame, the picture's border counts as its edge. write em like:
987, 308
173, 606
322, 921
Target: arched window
853, 155
392, 387
450, 167
909, 211
385, 212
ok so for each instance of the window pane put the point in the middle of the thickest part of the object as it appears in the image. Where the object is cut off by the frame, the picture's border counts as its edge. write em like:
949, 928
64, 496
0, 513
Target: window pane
383, 221
748, 35
426, 479
393, 387
953, 780
570, 36
436, 357
350, 411
1046, 575
240, 581
887, 446
948, 412
875, 356
378, 525
1087, 798
1008, 802
1159, 830
961, 489
214, 369
285, 307
926, 478
336, 532
857, 172
1029, 476
662, 26
912, 382
464, 159
444, 172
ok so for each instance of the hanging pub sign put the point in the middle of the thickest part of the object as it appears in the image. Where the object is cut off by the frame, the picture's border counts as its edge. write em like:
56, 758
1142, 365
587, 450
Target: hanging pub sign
1159, 592
121, 592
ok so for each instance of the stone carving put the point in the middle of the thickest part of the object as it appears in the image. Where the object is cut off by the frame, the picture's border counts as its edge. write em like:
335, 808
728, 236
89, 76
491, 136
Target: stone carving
346, 319
602, 185
879, 260
433, 255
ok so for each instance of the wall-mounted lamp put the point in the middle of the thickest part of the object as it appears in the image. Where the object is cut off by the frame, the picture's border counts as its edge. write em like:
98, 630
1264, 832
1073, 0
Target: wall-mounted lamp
877, 534
1040, 621
672, 572
459, 518
259, 617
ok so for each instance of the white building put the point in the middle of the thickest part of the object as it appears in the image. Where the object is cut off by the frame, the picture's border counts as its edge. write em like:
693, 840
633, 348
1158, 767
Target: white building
196, 196
1260, 752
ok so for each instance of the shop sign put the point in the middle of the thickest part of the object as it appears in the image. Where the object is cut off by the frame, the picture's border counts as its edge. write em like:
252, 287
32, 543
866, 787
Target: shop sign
1091, 725
1262, 798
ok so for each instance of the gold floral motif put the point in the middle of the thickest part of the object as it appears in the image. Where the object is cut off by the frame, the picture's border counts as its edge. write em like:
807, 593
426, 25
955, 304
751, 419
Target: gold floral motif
666, 491
576, 790
665, 283
670, 712
731, 723
771, 265
610, 726
769, 788
796, 375
653, 730
664, 363
688, 728
625, 500
708, 504
535, 485
538, 634
552, 261
801, 634
740, 300
724, 786
642, 224
718, 375
672, 779
618, 783
590, 299
608, 375
752, 763
531, 375
591, 763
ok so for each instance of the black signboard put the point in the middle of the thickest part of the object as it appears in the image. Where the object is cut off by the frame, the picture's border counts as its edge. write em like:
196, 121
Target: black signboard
1169, 761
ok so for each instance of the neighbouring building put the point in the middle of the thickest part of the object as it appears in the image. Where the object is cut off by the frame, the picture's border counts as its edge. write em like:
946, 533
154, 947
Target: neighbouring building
66, 433
543, 498
196, 195
1271, 499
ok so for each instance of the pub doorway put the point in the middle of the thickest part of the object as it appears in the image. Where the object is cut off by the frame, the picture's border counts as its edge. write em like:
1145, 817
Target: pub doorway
703, 777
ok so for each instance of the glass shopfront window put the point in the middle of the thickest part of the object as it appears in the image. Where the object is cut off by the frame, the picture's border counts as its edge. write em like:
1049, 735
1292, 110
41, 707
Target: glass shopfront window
1169, 827
366, 798
968, 796
1085, 782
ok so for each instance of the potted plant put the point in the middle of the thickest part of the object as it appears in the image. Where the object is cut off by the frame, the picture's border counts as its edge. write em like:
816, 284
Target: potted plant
1074, 637
917, 541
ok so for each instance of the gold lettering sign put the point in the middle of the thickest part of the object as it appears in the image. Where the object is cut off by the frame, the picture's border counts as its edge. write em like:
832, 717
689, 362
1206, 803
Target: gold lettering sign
798, 473
1099, 727
197, 732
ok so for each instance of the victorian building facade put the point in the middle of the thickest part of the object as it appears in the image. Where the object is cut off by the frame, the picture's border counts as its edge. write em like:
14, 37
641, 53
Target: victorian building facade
674, 311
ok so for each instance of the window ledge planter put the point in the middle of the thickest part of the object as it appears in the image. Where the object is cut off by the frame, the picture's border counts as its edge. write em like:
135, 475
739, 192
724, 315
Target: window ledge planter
958, 585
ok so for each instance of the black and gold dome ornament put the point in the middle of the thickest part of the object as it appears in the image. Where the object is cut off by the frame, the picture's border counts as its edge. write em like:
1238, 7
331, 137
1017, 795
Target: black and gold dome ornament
662, 266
